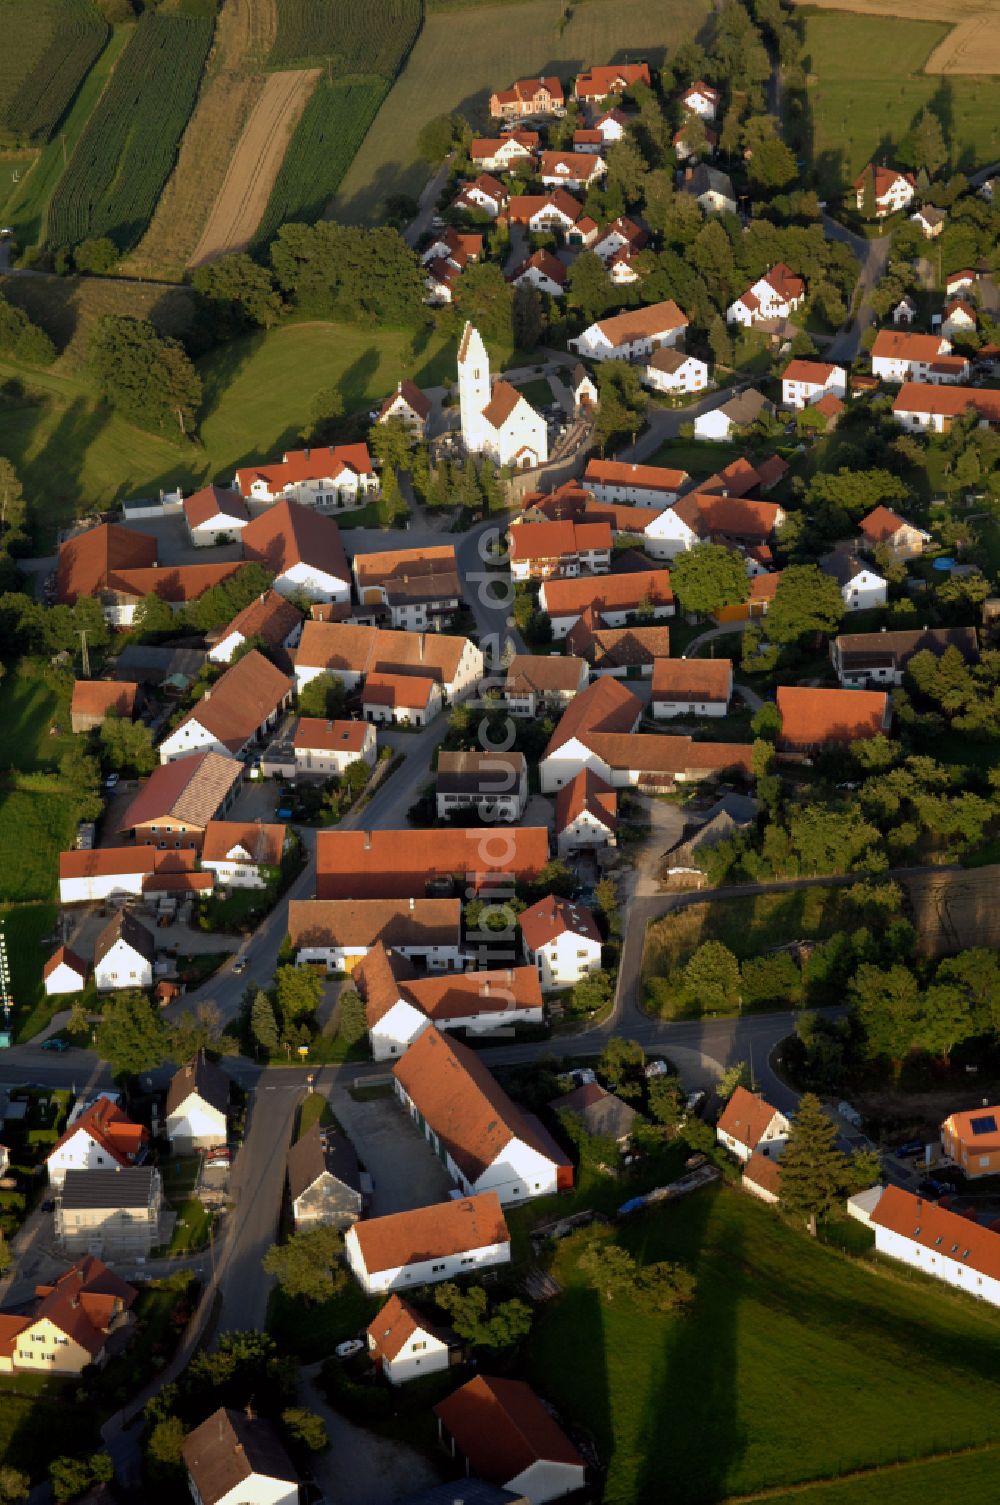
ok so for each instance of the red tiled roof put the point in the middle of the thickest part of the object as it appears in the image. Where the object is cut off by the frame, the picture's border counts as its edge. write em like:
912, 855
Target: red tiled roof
882, 524
239, 703
901, 345
174, 582
460, 995
557, 673
400, 864
623, 473
315, 732
710, 515
551, 917
412, 396
700, 87
577, 164
524, 206
705, 679
394, 1326
82, 1302
586, 793
612, 78
557, 540
746, 1117
107, 861
604, 706
263, 843
763, 587
367, 922
543, 261
811, 717
391, 564
503, 1429
410, 692
829, 406
885, 177
212, 501
340, 646
786, 283
816, 372
64, 956
288, 534
101, 697
503, 400
446, 1228
89, 563
271, 617
625, 592
763, 1171
109, 1127
942, 1232
189, 790
324, 462
927, 397
465, 1105
642, 323
652, 754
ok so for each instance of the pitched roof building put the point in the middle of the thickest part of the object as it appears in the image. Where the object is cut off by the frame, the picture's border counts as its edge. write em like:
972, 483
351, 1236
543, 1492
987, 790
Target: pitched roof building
233, 1457
232, 713
403, 864
508, 1437
182, 797
749, 1123
91, 562
95, 699
324, 1179
812, 718
67, 1325
341, 931
302, 548
102, 1137
429, 1243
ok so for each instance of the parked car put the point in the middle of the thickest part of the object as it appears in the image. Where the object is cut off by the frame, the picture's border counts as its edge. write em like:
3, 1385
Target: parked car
111, 782
55, 1043
656, 1068
694, 1102
911, 1147
239, 966
931, 1187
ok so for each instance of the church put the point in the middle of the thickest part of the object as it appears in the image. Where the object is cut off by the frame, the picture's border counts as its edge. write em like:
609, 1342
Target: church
500, 423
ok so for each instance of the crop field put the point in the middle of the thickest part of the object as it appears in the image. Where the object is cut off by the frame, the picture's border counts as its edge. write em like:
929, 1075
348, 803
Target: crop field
125, 155
458, 59
332, 128
353, 39
868, 81
47, 48
972, 44
244, 34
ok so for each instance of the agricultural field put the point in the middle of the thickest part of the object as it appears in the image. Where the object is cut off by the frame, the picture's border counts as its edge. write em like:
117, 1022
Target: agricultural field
68, 309
351, 39
969, 1477
48, 47
456, 67
771, 1307
972, 44
244, 34
332, 128
867, 84
126, 152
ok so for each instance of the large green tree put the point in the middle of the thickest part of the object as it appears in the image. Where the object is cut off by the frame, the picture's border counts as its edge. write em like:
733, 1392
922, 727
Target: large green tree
814, 1173
127, 746
707, 577
131, 1036
307, 1265
712, 978
806, 603
147, 376
481, 1322
323, 697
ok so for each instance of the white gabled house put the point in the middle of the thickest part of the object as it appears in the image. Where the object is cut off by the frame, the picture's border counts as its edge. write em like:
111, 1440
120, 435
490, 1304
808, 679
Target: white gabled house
100, 1137
542, 271
701, 99
215, 515
197, 1107
496, 420
942, 1244
671, 370
804, 382
485, 194
861, 587
339, 932
899, 356
64, 972
405, 1345
242, 854
776, 295
124, 954
235, 1458
335, 478
633, 335
409, 1249
893, 190
561, 940
750, 1125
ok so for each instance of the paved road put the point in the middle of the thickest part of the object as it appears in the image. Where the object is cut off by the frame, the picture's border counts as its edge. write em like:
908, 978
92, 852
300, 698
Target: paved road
427, 204
665, 423
873, 256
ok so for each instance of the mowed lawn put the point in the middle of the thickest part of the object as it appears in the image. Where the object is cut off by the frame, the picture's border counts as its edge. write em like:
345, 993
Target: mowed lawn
792, 1363
970, 1479
461, 56
866, 89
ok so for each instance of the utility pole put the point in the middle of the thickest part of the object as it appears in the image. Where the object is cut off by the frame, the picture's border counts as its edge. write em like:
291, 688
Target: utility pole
84, 653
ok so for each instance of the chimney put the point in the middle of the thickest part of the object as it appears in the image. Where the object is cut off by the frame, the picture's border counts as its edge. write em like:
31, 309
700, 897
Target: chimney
368, 841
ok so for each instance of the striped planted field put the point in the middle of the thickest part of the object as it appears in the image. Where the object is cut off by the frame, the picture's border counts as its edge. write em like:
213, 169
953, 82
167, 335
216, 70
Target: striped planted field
47, 47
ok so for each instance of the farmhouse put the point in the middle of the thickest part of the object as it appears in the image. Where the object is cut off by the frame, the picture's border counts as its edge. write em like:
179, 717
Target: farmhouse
512, 152
420, 588
409, 406
500, 423
403, 864
101, 1137
113, 872
242, 854
404, 1345
324, 1182
596, 85
941, 1244
124, 953
934, 408
484, 1141
328, 747
881, 658
561, 940
632, 335
617, 599
586, 814
536, 685
691, 687
401, 699
891, 189
234, 713
112, 1213
303, 550
94, 700
929, 221
902, 539
749, 1125
214, 515
813, 719
972, 1141
899, 356
700, 517
237, 1459
332, 479
598, 1111
494, 784
197, 1107
804, 382
177, 801
539, 551
776, 295
91, 563
605, 706
625, 652
64, 972
573, 170
68, 1324
528, 96
960, 318
675, 371
861, 587
352, 653
338, 933
612, 125
272, 619
408, 1249
507, 1436
638, 485
542, 271
738, 413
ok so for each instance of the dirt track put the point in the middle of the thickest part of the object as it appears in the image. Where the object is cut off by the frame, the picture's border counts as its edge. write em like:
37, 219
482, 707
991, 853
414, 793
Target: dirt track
259, 153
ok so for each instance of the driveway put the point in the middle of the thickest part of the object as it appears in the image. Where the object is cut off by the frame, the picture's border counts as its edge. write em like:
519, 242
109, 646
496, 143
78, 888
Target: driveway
873, 256
403, 1168
381, 1470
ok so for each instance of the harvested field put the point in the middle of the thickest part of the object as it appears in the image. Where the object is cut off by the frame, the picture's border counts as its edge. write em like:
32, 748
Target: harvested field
955, 910
244, 35
460, 57
255, 164
971, 47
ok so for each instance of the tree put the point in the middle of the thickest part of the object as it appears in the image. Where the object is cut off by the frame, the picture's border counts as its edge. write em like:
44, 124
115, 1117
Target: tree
589, 288
766, 722
772, 165
712, 978
481, 1323
621, 1063
814, 1173
127, 745
23, 339
929, 148
708, 577
436, 138
306, 1266
346, 271
71, 1477
483, 295
242, 289
131, 1034
888, 1006
352, 1019
299, 991
81, 777
153, 617
14, 1485
719, 341
326, 407
868, 205
263, 1025
616, 1274
166, 1442
11, 501
666, 1101
806, 603
306, 1427
147, 376
627, 170
98, 255
592, 992
323, 696
737, 1075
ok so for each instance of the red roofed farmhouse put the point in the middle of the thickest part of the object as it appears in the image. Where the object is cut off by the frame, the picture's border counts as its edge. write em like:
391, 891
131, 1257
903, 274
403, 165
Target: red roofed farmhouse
484, 1140
750, 1125
406, 1345
939, 1243
408, 1249
234, 713
893, 190
586, 814
95, 699
632, 335
617, 599
562, 940
691, 686
332, 479
614, 78
214, 515
403, 864
509, 1438
883, 526
528, 96
813, 719
303, 549
406, 699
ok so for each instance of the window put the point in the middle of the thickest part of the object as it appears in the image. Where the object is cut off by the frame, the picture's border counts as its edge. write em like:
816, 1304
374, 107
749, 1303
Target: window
417, 1347
436, 1268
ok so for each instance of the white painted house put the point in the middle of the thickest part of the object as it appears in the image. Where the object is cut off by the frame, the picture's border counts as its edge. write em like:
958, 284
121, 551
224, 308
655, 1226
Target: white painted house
214, 515
805, 382
738, 413
197, 1107
899, 356
749, 1124
776, 295
234, 713
64, 972
861, 586
303, 548
340, 932
100, 1137
327, 747
562, 940
409, 1249
242, 854
506, 1435
277, 621
586, 814
620, 481
691, 687
498, 421
330, 479
701, 99
124, 954
675, 371
893, 190
633, 335
405, 1345
236, 1459
941, 1244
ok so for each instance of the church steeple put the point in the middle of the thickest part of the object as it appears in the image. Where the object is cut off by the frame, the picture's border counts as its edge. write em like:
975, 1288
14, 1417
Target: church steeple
473, 386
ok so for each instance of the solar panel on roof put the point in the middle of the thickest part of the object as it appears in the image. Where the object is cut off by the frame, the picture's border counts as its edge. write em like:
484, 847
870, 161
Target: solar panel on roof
985, 1125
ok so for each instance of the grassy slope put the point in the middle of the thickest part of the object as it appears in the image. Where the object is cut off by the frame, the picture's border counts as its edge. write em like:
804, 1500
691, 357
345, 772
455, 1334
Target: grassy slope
459, 58
792, 1363
971, 1479
867, 88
